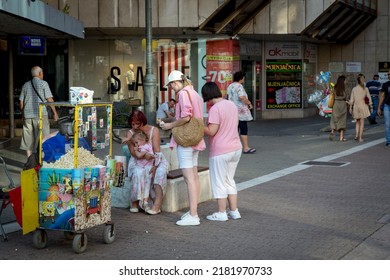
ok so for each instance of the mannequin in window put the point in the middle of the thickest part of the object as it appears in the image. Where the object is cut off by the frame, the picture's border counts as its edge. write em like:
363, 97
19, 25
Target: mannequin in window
130, 79
113, 85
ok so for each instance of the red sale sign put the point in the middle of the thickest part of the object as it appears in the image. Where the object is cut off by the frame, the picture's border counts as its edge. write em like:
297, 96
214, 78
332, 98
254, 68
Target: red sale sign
223, 59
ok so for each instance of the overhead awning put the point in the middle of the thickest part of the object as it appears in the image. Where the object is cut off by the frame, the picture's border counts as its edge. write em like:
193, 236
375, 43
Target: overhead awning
342, 21
232, 16
36, 18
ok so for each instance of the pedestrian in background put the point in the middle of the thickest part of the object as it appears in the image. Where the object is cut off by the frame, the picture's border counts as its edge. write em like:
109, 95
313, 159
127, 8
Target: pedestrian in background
384, 99
238, 95
374, 87
166, 111
189, 104
338, 120
224, 151
358, 107
34, 92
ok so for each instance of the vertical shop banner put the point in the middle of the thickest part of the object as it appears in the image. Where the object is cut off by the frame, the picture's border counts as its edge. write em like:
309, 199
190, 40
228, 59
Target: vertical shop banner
172, 57
284, 88
223, 59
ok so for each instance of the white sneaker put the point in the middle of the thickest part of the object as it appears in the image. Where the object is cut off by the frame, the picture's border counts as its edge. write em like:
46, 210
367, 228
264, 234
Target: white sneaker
185, 214
189, 220
218, 216
134, 210
234, 214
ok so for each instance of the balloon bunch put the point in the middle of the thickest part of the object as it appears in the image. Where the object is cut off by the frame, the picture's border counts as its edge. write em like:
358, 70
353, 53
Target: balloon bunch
320, 95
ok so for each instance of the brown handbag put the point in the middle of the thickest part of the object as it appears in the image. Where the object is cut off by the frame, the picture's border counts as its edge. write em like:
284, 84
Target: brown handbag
190, 133
331, 100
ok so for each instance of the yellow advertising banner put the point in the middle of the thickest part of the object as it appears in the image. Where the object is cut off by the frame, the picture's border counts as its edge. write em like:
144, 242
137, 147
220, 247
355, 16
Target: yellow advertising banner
30, 215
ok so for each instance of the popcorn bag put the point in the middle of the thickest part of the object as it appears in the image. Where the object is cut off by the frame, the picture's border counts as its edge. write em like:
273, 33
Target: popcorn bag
80, 95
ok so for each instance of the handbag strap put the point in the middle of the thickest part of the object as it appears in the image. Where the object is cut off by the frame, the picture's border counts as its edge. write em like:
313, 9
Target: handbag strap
36, 92
189, 96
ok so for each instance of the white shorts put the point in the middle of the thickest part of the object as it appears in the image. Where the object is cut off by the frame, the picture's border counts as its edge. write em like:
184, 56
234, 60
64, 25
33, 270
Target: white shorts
222, 170
187, 156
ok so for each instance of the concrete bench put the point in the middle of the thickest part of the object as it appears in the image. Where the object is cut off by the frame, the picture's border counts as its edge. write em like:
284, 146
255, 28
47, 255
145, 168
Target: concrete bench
176, 195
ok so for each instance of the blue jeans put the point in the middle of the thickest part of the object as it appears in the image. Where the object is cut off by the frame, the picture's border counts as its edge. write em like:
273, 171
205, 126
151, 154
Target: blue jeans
386, 113
375, 103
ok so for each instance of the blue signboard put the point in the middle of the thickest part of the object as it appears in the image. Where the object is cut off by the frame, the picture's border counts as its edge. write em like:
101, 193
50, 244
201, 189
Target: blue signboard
32, 45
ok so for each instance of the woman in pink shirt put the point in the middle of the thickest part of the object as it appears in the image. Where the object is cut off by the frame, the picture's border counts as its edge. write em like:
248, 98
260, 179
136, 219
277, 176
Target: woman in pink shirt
225, 151
187, 156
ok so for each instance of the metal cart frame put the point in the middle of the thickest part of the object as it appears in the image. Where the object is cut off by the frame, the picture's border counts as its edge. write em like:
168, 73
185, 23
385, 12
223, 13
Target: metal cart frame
79, 237
5, 196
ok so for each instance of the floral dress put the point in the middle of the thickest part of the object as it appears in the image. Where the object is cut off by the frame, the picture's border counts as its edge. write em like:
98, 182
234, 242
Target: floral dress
142, 184
235, 91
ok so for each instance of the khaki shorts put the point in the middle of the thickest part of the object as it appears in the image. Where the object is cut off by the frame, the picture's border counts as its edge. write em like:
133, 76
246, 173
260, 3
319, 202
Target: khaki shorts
30, 136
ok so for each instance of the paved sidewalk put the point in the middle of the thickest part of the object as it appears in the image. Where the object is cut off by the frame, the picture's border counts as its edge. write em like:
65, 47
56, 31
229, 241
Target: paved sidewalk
302, 197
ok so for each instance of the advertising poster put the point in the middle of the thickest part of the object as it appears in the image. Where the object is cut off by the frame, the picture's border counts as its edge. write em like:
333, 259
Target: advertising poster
223, 59
283, 85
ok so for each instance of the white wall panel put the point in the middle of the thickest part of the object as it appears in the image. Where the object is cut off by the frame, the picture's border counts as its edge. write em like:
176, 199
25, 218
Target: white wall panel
128, 13
278, 16
108, 13
261, 23
168, 13
296, 16
88, 12
188, 13
313, 9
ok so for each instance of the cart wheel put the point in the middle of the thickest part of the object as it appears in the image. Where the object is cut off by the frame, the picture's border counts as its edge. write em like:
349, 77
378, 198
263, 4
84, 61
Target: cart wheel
40, 239
69, 235
79, 244
109, 233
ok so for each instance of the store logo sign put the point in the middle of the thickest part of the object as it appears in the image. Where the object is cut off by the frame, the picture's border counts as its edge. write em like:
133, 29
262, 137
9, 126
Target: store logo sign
282, 53
287, 50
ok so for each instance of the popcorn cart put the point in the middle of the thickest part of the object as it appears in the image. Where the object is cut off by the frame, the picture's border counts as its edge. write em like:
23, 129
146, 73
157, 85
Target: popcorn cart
71, 192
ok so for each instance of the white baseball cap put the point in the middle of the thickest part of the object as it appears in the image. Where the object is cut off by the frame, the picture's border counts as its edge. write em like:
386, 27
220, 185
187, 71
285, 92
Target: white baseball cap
174, 76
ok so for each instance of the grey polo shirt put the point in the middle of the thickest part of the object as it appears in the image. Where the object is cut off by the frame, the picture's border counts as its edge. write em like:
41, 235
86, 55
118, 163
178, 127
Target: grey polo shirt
30, 97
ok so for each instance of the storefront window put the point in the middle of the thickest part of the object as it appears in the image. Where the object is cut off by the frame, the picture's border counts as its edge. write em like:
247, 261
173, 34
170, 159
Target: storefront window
111, 68
115, 69
283, 69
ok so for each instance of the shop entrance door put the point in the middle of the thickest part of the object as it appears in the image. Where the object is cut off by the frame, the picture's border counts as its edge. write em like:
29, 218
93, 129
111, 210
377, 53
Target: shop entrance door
252, 84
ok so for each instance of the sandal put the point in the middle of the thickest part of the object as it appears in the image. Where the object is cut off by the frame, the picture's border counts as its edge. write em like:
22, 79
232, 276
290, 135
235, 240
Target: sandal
343, 140
250, 151
152, 212
356, 138
145, 206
